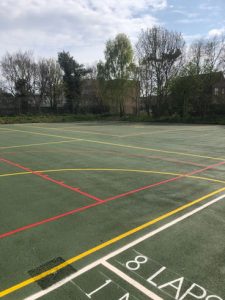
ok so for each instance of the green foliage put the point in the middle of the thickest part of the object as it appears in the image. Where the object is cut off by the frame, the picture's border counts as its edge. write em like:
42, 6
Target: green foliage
119, 57
175, 118
73, 73
172, 81
50, 118
114, 74
192, 95
184, 96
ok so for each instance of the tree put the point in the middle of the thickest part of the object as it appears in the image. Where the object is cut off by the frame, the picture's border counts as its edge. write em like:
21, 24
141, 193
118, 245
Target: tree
184, 91
136, 77
50, 82
202, 66
160, 52
119, 57
55, 89
194, 64
212, 54
204, 55
145, 77
222, 57
115, 73
19, 71
72, 76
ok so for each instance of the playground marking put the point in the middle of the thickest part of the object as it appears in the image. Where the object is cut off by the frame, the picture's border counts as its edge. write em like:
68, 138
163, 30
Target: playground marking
51, 219
165, 181
153, 132
42, 133
46, 177
114, 153
118, 238
3, 130
116, 252
152, 149
119, 145
153, 278
98, 200
79, 131
69, 129
131, 281
112, 170
31, 145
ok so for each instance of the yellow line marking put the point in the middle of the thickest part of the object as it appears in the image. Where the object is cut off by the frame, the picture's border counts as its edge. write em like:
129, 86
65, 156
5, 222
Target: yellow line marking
107, 243
3, 130
153, 150
14, 174
101, 133
113, 135
31, 145
121, 145
150, 133
114, 170
45, 134
207, 179
70, 130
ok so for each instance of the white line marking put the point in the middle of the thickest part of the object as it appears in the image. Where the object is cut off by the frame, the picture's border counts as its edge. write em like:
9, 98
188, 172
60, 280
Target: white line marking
122, 249
107, 282
131, 281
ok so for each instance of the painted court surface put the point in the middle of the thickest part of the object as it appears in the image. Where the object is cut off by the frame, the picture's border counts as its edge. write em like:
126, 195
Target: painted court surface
112, 211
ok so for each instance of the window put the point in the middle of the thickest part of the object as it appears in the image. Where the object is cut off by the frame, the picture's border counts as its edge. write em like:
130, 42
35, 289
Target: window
216, 91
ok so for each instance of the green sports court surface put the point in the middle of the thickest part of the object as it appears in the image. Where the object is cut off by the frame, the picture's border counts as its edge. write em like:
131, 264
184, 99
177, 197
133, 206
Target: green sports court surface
112, 211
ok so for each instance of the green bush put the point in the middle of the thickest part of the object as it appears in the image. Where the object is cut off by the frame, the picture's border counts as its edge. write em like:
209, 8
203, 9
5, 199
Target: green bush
107, 117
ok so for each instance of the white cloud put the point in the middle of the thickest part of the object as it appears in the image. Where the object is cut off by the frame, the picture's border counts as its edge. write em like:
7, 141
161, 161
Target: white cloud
48, 26
216, 31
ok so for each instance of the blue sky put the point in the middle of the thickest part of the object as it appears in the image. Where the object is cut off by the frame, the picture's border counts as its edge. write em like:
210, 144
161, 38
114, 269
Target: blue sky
83, 26
194, 18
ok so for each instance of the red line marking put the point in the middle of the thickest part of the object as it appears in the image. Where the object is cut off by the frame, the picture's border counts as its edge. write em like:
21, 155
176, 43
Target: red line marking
164, 181
36, 224
49, 220
46, 177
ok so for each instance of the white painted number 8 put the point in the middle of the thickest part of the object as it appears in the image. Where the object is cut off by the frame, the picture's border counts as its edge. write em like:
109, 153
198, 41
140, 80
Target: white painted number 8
134, 265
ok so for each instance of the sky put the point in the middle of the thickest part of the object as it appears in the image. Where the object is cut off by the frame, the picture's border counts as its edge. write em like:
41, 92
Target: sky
82, 27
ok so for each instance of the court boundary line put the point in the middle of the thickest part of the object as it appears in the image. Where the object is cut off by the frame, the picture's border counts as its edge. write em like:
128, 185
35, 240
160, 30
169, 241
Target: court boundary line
109, 242
108, 151
118, 145
152, 149
45, 134
70, 130
31, 145
48, 220
131, 281
47, 178
122, 249
98, 201
165, 181
150, 133
113, 170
